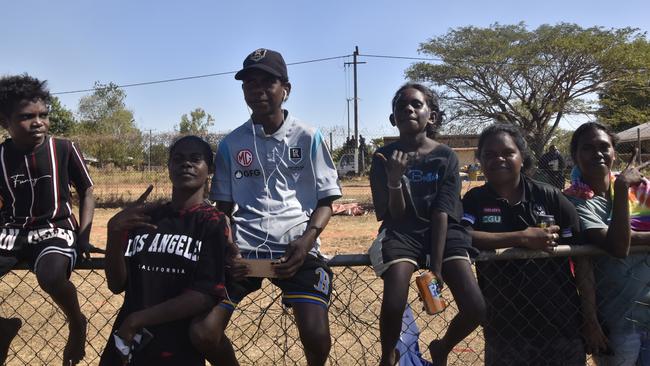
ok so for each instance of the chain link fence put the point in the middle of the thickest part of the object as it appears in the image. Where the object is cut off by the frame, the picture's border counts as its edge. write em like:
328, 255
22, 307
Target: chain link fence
262, 330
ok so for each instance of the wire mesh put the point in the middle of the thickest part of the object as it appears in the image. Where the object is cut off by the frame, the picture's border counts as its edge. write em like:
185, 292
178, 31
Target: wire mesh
262, 330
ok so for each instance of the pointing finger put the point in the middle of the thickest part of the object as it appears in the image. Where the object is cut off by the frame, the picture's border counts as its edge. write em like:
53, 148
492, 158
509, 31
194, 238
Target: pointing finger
643, 165
635, 152
144, 196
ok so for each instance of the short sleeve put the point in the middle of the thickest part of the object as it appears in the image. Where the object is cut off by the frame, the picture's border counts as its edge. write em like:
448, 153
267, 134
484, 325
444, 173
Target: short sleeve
221, 182
589, 219
570, 232
470, 210
77, 170
448, 196
378, 187
209, 275
325, 175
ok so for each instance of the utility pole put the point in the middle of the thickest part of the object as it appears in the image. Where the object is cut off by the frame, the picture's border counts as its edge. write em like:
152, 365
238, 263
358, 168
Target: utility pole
356, 110
149, 158
349, 100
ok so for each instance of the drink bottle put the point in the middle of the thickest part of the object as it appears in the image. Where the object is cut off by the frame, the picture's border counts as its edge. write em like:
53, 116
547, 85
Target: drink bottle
429, 289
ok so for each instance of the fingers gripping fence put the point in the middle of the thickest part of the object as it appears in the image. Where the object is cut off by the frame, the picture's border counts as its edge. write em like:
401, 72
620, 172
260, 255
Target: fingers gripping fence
262, 330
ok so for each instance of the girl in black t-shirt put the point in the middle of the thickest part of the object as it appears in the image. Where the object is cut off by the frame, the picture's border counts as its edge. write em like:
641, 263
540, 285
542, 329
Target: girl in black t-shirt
416, 192
169, 261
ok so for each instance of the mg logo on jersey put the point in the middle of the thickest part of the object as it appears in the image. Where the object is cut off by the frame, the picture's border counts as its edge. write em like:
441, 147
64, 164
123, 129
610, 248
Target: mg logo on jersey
245, 157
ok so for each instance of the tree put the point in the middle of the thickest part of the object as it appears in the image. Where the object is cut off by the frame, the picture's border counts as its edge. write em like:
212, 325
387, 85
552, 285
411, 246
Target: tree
506, 73
625, 103
108, 127
62, 121
197, 124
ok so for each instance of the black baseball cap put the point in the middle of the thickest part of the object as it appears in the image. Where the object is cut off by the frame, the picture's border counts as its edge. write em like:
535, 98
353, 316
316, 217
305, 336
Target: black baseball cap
265, 60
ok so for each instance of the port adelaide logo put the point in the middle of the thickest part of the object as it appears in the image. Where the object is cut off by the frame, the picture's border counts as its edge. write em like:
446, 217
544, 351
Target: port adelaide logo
295, 154
245, 157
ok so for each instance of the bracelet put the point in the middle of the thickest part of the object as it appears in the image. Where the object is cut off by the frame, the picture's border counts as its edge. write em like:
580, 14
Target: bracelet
396, 187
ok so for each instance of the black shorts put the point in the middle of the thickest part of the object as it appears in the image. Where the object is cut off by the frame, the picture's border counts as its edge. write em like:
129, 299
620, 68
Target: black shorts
32, 245
311, 284
391, 247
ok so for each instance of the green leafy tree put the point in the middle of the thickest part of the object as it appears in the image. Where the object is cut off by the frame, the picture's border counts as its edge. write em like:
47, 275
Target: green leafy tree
108, 128
62, 121
625, 103
159, 154
197, 123
530, 78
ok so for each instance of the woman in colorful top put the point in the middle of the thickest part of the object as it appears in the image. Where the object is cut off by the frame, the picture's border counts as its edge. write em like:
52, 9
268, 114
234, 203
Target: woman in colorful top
169, 260
613, 211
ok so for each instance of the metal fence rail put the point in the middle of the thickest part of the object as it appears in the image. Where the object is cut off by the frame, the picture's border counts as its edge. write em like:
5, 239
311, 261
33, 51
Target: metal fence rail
262, 330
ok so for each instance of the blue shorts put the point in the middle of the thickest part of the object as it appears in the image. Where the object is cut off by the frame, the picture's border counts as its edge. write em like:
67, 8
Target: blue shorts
630, 348
311, 284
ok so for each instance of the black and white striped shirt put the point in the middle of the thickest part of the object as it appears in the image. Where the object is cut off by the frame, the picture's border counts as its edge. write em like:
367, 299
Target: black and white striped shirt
35, 186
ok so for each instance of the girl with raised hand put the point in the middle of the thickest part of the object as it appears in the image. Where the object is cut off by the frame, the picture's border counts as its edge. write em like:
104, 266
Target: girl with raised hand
416, 192
613, 213
169, 260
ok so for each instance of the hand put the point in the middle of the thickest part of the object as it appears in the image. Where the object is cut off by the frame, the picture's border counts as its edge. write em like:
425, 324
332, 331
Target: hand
133, 216
128, 329
395, 166
631, 175
293, 258
595, 340
541, 238
237, 269
436, 269
86, 248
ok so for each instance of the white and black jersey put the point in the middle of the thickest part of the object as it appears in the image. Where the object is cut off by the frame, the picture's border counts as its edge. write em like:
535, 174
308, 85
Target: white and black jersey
35, 186
186, 252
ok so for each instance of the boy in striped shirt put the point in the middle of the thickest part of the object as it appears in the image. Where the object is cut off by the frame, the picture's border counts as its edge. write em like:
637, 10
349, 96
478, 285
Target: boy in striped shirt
36, 220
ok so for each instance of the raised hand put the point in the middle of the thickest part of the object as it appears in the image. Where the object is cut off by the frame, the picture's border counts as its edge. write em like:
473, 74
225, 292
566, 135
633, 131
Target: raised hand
631, 175
134, 215
395, 166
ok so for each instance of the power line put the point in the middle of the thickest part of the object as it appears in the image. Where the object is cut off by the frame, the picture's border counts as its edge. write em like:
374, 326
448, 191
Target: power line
403, 57
193, 77
466, 61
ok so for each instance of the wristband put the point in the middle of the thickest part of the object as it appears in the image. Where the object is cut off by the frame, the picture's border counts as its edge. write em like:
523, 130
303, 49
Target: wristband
395, 187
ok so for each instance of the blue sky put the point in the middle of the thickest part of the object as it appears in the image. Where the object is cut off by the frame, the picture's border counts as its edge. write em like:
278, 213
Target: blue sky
74, 43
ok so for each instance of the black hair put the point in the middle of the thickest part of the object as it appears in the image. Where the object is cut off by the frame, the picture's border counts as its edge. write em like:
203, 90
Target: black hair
16, 89
208, 155
584, 128
516, 136
433, 101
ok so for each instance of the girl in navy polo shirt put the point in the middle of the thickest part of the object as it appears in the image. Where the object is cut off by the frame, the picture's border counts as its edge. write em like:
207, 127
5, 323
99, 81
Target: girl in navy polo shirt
415, 189
534, 313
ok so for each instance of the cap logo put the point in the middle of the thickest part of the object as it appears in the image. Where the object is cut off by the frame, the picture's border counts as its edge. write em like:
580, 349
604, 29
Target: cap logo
258, 54
245, 157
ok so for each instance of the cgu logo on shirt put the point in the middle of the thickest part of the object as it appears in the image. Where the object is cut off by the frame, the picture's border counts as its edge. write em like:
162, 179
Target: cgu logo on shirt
174, 244
492, 219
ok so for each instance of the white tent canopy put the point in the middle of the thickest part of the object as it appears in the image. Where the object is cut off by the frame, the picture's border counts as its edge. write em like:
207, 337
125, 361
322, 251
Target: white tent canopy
631, 134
